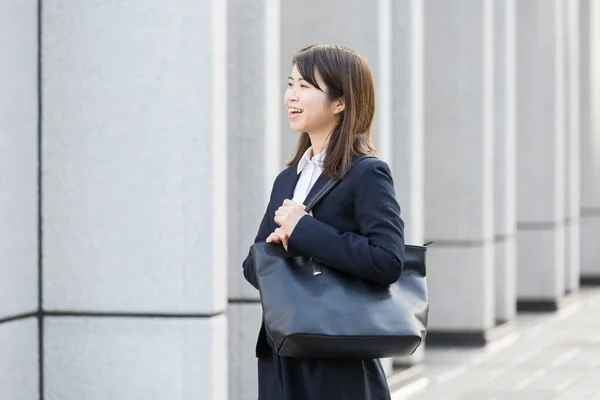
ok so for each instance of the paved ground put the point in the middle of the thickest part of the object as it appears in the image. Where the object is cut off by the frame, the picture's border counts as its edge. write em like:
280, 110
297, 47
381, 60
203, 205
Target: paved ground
550, 356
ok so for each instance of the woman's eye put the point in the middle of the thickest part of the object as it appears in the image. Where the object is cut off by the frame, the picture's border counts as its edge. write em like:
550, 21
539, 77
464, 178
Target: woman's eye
289, 83
305, 86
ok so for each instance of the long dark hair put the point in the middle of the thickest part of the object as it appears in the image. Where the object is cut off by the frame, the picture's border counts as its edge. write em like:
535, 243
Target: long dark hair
346, 74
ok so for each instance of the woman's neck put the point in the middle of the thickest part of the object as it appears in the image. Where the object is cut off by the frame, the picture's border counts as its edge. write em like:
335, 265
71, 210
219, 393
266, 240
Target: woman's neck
318, 142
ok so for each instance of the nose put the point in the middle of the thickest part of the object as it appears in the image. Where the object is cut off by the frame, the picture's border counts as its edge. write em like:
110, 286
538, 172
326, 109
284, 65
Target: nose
290, 94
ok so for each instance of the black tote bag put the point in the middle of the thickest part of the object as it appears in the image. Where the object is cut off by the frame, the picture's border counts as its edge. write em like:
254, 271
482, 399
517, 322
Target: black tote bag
312, 311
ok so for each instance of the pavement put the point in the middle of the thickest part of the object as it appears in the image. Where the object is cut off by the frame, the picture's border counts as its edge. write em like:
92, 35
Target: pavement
548, 356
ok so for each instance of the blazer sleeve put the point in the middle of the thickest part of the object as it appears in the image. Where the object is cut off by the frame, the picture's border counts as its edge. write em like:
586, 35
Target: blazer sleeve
261, 236
376, 252
263, 233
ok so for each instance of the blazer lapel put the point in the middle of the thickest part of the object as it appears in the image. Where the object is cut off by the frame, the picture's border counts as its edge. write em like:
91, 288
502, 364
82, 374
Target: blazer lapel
288, 183
286, 186
321, 181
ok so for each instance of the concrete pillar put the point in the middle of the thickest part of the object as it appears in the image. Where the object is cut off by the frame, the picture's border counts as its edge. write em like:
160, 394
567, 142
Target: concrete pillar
407, 146
255, 110
590, 140
19, 359
570, 17
541, 155
19, 374
134, 200
505, 181
459, 171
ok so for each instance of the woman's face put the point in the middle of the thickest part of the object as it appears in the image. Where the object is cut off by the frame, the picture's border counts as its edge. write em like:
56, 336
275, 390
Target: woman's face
309, 109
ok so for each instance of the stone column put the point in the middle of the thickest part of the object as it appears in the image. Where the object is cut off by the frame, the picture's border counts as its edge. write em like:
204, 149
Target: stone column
134, 200
459, 171
541, 155
590, 141
505, 193
572, 146
255, 109
19, 374
406, 150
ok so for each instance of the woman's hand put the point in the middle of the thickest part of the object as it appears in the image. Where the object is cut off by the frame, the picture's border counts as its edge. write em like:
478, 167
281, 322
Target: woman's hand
279, 236
288, 215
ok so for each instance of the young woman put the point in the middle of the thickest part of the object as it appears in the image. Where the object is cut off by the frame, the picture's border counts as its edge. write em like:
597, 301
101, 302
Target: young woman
356, 228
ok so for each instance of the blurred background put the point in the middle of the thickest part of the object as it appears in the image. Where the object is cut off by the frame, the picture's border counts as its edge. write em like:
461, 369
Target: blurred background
139, 141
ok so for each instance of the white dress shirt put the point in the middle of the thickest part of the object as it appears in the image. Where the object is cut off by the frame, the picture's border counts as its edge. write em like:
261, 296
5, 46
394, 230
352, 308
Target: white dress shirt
309, 169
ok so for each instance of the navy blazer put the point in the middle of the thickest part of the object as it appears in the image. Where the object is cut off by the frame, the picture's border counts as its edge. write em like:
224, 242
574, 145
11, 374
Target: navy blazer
357, 228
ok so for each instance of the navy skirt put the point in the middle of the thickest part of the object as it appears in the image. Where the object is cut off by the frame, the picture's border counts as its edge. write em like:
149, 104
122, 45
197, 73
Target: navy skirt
284, 378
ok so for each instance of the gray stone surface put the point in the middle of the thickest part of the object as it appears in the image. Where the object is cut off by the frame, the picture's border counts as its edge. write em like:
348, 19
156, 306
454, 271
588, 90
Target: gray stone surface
571, 57
459, 179
505, 179
590, 131
408, 141
18, 158
541, 142
541, 166
541, 255
505, 279
550, 356
255, 108
573, 255
19, 360
590, 234
458, 121
134, 156
135, 358
244, 324
461, 288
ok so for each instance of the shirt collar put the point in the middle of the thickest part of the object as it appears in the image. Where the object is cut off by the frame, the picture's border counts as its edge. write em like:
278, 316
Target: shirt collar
318, 158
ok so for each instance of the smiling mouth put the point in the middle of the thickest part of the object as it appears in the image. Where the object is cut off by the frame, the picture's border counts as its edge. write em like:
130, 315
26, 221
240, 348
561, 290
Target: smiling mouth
294, 111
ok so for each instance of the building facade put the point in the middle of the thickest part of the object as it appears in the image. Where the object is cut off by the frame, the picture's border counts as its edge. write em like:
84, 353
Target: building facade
139, 143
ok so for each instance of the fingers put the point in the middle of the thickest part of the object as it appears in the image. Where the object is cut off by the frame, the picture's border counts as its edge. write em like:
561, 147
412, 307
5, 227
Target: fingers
281, 233
281, 214
273, 238
289, 214
290, 203
283, 210
283, 237
279, 236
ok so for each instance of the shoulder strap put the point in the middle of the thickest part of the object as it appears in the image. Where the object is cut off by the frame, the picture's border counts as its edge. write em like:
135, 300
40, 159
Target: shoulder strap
330, 185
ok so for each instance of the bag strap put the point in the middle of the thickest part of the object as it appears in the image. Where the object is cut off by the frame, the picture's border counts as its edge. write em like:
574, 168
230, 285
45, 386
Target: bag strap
330, 185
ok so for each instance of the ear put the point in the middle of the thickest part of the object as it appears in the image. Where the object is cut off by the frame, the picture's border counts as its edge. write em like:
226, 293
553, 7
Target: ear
339, 105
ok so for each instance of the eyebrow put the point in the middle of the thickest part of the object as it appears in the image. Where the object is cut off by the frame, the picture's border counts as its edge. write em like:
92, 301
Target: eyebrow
301, 79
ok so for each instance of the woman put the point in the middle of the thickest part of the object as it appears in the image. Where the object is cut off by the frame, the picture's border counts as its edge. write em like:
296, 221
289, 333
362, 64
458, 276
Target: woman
356, 228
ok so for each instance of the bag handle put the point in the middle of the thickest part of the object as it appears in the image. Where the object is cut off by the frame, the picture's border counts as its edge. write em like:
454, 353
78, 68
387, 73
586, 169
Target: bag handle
330, 185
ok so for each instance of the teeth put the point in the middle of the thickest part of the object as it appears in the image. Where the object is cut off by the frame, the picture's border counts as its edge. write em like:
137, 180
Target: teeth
294, 110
